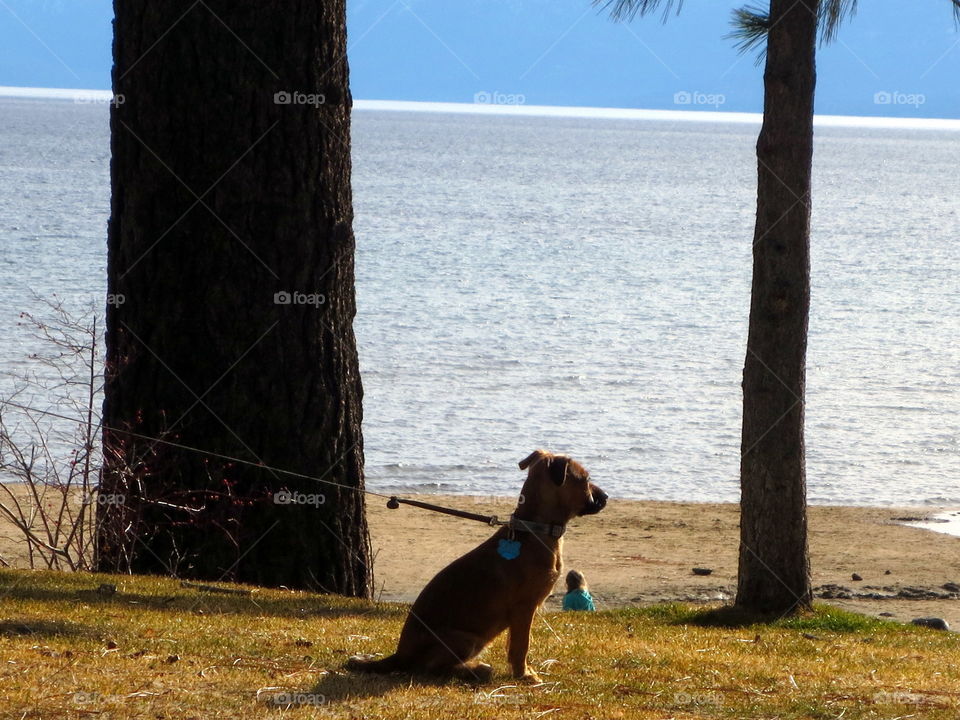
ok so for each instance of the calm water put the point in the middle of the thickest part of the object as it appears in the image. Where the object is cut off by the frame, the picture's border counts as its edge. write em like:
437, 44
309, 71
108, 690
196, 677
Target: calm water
583, 285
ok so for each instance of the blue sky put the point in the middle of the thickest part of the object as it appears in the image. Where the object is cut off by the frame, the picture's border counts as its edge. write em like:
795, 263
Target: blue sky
887, 61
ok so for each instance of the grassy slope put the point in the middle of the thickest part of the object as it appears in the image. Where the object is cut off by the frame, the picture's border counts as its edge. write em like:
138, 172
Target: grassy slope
157, 650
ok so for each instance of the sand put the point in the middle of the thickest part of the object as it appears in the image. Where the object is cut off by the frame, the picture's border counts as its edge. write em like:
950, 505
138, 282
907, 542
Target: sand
641, 552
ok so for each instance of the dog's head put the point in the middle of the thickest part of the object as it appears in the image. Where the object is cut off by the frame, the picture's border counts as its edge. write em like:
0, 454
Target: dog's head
559, 488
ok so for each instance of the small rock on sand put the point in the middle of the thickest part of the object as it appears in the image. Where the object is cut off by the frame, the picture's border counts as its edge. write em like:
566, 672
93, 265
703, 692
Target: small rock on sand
856, 577
702, 571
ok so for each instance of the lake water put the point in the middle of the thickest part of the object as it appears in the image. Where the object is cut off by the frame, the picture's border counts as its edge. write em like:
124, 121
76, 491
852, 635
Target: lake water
583, 285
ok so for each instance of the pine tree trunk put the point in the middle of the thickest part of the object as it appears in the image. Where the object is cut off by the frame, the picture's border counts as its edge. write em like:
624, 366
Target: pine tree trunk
223, 197
774, 574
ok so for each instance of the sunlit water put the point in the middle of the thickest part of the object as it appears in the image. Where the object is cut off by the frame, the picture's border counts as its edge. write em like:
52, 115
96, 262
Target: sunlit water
582, 285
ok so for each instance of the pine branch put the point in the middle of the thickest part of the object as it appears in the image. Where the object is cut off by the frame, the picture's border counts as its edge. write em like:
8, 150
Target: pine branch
750, 27
626, 10
833, 13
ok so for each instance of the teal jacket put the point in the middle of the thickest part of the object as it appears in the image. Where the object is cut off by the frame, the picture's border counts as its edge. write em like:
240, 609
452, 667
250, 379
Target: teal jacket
578, 600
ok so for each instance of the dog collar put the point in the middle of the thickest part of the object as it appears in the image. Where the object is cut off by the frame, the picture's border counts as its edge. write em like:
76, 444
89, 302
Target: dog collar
555, 531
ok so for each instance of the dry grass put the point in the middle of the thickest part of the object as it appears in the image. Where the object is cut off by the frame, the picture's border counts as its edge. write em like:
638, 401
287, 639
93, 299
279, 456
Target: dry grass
157, 650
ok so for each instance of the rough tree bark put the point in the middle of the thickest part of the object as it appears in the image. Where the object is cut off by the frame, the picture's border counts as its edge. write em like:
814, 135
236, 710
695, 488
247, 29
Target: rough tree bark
225, 195
774, 571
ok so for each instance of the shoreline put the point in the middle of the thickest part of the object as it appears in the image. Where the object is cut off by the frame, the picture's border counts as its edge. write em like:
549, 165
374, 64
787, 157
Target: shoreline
945, 520
491, 103
935, 518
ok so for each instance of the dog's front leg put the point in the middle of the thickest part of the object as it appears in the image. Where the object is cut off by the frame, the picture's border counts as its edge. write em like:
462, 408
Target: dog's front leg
519, 644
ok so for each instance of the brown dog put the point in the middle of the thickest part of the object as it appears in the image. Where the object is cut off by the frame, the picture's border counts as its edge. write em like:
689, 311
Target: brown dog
498, 585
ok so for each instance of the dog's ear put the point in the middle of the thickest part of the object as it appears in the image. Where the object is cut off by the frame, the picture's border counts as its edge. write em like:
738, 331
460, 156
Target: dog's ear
534, 457
558, 470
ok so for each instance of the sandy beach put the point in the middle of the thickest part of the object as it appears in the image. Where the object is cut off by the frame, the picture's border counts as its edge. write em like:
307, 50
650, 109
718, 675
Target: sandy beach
639, 552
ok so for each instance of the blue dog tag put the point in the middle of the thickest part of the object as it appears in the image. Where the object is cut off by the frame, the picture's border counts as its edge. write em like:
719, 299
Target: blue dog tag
508, 549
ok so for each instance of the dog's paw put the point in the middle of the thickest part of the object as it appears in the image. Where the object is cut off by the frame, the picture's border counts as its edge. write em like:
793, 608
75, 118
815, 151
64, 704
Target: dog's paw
480, 673
483, 672
529, 678
364, 663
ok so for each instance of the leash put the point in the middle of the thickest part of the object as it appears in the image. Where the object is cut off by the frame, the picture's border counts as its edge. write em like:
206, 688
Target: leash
492, 520
514, 524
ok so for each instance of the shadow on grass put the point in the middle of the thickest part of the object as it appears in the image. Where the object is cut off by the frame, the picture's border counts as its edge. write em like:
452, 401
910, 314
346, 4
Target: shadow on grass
342, 686
822, 617
45, 629
345, 685
170, 596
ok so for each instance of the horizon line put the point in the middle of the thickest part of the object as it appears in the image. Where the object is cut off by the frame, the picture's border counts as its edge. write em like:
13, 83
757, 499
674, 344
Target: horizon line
519, 108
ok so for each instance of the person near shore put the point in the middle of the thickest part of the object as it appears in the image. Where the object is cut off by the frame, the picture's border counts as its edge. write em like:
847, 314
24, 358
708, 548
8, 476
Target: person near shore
578, 595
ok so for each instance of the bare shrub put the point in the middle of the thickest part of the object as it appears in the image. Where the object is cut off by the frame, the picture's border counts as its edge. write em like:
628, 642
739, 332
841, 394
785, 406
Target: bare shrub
50, 450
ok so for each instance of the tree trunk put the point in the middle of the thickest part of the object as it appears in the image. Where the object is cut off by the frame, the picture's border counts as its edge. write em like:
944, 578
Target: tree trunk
774, 574
225, 197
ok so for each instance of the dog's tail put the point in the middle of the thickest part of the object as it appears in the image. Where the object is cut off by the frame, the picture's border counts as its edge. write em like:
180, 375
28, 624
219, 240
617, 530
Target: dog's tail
366, 663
